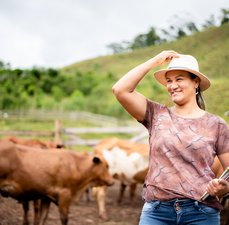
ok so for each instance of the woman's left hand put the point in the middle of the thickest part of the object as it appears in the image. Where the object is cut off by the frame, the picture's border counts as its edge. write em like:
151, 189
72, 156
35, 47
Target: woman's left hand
218, 187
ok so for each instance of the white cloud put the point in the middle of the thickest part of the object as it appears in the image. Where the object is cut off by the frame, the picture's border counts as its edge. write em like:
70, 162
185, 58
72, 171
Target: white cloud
20, 47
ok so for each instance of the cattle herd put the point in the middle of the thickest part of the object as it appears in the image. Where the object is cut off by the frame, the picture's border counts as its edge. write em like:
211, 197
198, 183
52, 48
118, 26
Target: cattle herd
45, 173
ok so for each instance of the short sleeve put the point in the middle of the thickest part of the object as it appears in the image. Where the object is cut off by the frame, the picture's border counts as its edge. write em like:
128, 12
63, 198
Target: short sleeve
151, 109
222, 144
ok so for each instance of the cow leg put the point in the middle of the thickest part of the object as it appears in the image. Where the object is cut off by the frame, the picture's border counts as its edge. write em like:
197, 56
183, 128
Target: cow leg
25, 206
87, 194
121, 193
44, 210
133, 187
64, 215
100, 195
64, 203
37, 209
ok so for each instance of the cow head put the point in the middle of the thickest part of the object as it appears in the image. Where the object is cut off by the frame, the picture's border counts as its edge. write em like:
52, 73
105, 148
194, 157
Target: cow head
100, 171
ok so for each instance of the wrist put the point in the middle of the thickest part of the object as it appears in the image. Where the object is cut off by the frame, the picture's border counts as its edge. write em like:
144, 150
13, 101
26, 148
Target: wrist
153, 62
224, 195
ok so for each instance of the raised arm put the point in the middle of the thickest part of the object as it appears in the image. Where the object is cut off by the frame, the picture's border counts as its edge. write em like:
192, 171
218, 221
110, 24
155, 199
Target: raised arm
124, 89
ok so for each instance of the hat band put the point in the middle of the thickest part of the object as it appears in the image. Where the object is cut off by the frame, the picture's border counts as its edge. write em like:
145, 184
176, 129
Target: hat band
179, 67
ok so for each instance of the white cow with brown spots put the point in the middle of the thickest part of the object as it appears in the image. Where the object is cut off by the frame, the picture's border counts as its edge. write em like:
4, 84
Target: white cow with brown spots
125, 159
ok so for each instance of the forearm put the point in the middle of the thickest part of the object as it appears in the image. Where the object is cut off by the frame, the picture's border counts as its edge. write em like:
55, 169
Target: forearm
129, 81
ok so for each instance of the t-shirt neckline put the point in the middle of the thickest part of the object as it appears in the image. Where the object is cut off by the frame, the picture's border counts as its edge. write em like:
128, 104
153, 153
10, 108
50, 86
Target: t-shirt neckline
187, 118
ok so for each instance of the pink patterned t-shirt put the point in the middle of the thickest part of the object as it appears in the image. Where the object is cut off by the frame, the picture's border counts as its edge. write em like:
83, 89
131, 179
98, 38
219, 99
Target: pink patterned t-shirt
182, 152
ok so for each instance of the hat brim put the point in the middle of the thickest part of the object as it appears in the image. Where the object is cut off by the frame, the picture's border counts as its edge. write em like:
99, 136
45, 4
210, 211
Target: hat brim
204, 81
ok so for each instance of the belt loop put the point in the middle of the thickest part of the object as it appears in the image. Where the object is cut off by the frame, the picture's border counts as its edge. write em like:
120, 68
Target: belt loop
196, 203
156, 204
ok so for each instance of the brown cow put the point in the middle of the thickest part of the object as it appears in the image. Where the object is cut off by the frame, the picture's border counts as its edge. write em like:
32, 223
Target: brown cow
52, 176
33, 142
38, 144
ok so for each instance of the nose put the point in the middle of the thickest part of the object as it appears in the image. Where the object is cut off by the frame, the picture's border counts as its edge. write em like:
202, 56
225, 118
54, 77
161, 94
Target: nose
171, 86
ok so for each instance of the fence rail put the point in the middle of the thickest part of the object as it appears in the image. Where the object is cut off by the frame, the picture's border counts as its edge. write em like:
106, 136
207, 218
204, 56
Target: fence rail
44, 115
137, 133
70, 136
84, 130
26, 133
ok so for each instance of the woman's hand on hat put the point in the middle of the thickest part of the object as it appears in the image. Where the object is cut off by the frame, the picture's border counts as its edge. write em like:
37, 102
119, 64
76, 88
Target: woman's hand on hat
165, 57
218, 187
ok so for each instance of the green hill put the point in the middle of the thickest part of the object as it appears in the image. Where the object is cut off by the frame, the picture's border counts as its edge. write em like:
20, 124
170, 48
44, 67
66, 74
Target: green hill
210, 47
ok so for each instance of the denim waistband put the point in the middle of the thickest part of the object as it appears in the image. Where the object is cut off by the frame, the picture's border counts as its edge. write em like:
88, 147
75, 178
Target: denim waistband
185, 201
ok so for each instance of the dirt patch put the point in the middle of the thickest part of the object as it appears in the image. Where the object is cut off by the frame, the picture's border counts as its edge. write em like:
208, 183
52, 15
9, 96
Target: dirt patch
82, 212
86, 213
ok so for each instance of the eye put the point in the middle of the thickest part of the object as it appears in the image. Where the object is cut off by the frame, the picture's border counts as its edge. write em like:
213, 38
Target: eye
179, 79
168, 81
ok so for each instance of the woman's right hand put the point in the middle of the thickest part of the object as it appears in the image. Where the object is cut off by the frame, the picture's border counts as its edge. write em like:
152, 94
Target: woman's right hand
165, 57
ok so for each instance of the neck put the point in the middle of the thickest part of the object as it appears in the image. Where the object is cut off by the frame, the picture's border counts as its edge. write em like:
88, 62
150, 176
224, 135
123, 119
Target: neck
188, 110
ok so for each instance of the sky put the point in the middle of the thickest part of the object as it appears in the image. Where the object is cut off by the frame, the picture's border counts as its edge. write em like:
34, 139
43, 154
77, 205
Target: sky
57, 33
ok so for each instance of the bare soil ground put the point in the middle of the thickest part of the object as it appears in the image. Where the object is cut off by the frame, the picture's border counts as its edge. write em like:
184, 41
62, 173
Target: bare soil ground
86, 213
82, 212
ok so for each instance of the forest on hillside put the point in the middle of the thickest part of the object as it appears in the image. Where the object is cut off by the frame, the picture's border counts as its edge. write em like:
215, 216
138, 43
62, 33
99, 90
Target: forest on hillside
47, 88
180, 27
52, 89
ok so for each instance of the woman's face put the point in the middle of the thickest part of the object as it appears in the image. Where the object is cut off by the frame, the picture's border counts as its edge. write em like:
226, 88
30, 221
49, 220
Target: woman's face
181, 87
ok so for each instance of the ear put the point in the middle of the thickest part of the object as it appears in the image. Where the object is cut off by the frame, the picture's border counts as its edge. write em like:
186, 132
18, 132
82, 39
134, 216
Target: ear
96, 160
197, 82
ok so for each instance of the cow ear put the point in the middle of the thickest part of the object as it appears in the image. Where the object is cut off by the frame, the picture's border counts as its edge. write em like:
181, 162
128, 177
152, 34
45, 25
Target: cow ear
96, 160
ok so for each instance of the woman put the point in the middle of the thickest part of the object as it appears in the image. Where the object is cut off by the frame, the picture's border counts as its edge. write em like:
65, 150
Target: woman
184, 140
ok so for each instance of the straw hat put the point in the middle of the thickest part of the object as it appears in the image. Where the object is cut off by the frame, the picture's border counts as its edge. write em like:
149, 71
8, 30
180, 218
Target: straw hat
185, 63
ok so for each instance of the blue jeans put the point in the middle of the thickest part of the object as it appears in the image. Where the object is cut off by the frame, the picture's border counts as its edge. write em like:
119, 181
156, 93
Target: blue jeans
178, 212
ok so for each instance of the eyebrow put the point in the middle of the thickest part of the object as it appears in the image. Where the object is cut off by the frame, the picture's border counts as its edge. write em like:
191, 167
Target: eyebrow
180, 75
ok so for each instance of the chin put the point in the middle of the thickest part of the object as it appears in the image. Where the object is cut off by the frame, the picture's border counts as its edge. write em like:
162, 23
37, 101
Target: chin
177, 101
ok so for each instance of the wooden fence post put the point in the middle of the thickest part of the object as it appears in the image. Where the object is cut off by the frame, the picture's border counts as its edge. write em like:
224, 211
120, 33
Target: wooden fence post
57, 133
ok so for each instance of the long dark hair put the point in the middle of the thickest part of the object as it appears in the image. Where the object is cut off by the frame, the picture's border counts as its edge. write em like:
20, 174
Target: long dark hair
199, 96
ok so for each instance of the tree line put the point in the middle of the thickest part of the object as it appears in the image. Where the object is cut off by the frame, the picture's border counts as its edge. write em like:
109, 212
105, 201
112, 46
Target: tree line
41, 88
177, 30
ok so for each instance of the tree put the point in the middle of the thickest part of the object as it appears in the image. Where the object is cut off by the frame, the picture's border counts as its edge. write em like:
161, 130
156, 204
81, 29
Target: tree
152, 38
144, 40
2, 65
139, 41
85, 82
224, 16
118, 48
191, 26
180, 33
211, 22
